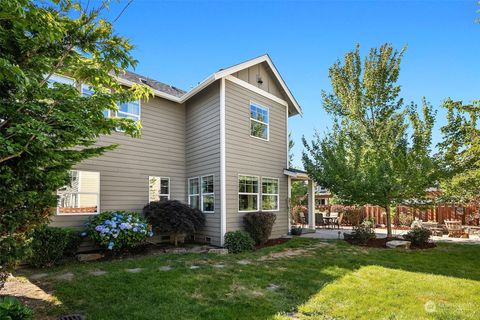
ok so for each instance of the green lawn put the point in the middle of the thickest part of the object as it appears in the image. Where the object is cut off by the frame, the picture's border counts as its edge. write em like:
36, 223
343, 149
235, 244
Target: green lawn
320, 280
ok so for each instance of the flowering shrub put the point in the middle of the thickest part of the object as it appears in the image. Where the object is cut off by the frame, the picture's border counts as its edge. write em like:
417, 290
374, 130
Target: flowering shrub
118, 230
297, 214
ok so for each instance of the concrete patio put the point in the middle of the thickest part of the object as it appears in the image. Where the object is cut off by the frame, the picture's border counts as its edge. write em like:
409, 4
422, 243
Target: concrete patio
382, 233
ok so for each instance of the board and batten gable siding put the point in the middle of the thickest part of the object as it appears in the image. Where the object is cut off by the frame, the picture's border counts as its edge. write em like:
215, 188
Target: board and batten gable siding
124, 171
269, 84
203, 149
246, 155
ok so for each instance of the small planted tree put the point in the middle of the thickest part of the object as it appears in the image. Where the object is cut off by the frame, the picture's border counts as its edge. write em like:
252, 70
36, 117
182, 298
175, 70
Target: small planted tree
378, 151
259, 225
173, 217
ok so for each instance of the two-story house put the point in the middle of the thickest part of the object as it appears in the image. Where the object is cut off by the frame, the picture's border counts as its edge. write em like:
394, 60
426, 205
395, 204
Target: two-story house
221, 147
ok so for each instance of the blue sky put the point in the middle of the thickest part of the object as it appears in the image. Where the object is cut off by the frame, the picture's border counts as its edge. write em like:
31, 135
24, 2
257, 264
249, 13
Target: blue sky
181, 43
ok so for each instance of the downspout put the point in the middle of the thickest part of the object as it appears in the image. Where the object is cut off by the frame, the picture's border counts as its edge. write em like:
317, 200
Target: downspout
223, 187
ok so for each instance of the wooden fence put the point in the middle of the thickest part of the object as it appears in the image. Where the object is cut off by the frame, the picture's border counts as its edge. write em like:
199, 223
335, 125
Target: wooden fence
469, 215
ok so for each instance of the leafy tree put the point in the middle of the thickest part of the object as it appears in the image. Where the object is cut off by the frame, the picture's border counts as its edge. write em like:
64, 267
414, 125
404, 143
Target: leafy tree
378, 151
459, 152
46, 128
291, 144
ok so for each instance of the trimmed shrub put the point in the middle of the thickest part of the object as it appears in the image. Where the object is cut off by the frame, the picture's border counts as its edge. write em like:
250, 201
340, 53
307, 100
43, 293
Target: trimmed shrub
363, 232
118, 230
259, 225
49, 245
238, 241
173, 217
12, 309
418, 236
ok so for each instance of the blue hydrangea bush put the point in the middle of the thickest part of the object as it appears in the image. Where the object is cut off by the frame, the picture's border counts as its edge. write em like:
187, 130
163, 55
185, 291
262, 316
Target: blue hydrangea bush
118, 230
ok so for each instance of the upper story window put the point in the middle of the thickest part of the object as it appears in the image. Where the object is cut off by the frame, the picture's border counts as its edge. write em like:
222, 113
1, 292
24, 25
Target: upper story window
88, 91
259, 121
248, 193
56, 78
158, 189
81, 195
130, 110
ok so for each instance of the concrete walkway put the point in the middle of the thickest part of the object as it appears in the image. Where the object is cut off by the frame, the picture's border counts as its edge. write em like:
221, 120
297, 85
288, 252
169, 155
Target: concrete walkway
382, 233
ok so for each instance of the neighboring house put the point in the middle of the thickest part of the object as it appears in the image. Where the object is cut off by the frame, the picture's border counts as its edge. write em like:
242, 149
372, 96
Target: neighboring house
221, 147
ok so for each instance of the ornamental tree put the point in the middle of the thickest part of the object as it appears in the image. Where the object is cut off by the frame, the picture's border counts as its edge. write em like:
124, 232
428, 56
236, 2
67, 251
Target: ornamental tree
46, 128
459, 153
378, 150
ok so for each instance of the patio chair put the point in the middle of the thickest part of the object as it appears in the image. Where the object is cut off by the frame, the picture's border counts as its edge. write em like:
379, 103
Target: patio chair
454, 228
319, 222
332, 219
338, 221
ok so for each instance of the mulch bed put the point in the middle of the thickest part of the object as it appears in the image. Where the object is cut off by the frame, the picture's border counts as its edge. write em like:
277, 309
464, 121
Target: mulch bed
382, 243
272, 242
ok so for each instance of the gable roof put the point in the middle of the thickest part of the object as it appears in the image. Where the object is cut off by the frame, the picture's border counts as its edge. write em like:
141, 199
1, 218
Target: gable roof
177, 95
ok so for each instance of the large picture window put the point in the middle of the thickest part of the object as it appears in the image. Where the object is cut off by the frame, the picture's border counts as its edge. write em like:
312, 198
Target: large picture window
208, 195
158, 188
259, 121
270, 194
194, 192
248, 193
81, 195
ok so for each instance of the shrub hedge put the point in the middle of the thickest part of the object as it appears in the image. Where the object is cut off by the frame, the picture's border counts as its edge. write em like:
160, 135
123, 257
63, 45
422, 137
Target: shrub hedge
238, 241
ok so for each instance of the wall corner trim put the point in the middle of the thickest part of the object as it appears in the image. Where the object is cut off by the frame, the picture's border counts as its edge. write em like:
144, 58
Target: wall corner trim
223, 187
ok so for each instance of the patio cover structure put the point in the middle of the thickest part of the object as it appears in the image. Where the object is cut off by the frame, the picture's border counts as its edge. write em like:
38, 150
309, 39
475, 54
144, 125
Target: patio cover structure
300, 175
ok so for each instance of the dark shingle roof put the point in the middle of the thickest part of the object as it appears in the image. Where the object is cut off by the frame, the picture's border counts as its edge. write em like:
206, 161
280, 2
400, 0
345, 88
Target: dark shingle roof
154, 84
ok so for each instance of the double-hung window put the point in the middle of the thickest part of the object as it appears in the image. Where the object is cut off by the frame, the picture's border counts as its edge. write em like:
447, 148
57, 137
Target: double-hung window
201, 193
270, 194
81, 195
259, 121
248, 193
56, 78
194, 193
129, 110
208, 195
158, 188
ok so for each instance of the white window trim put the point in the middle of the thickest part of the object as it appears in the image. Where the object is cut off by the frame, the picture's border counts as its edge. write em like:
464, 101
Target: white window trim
271, 194
131, 114
82, 213
261, 122
208, 193
160, 194
249, 193
194, 194
74, 82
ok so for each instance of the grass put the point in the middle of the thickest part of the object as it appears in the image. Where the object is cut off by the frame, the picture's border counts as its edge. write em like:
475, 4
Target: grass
321, 280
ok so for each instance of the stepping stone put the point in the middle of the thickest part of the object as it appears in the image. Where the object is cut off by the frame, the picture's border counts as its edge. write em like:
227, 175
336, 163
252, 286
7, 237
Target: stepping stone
89, 256
176, 250
98, 273
218, 251
194, 267
165, 268
66, 276
398, 244
273, 287
243, 262
218, 265
38, 276
134, 270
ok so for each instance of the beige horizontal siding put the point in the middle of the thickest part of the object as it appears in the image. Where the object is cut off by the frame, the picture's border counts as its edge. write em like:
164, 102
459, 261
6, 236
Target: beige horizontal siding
203, 149
124, 172
246, 155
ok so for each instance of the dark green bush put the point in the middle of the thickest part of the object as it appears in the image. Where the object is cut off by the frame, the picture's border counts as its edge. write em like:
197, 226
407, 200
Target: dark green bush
12, 309
173, 217
296, 231
418, 236
49, 245
238, 241
363, 232
259, 225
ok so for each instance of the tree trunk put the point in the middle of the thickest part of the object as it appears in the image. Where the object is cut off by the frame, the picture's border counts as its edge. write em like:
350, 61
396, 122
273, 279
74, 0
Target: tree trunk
389, 222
